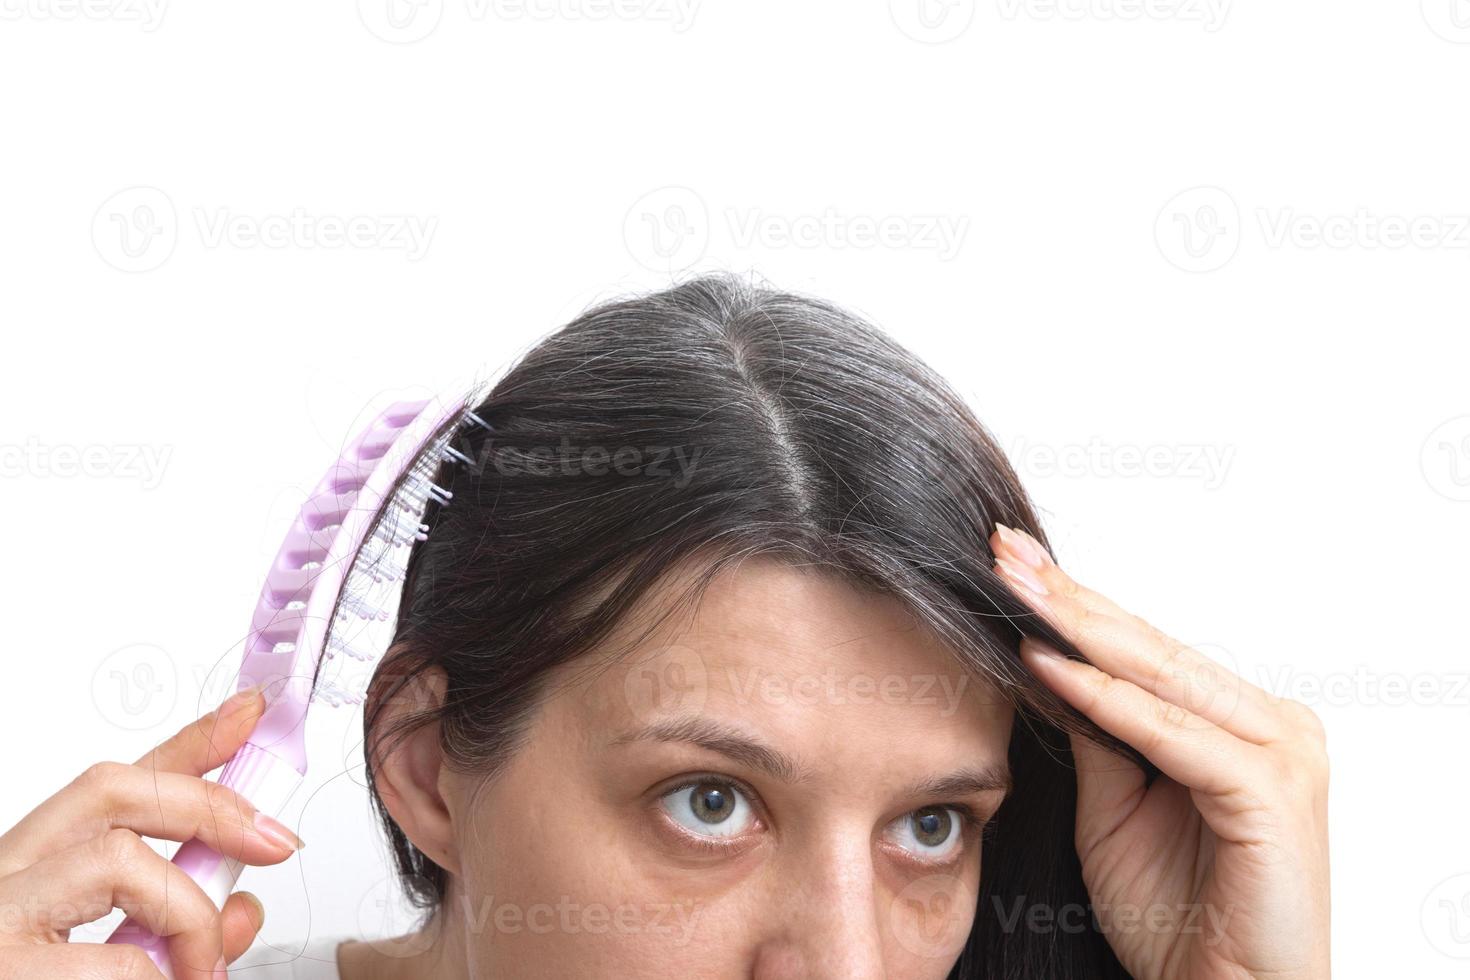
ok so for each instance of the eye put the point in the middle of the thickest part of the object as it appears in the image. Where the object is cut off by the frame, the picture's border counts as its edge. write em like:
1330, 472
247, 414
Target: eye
931, 834
709, 808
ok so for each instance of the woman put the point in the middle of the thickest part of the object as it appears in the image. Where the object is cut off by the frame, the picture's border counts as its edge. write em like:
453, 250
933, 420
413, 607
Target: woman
740, 653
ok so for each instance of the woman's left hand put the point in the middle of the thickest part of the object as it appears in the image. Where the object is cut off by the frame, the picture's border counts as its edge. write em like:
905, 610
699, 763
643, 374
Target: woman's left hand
1219, 868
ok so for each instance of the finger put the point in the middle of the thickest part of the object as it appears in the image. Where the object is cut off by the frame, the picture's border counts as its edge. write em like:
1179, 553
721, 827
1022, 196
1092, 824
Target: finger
78, 961
1185, 747
1019, 546
119, 870
240, 922
209, 742
165, 805
1130, 648
1109, 789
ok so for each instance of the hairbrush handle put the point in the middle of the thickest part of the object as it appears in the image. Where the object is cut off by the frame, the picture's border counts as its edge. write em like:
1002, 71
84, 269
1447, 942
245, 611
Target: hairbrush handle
267, 781
352, 536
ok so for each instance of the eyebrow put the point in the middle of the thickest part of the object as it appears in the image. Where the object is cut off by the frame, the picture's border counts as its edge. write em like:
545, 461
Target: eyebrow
754, 754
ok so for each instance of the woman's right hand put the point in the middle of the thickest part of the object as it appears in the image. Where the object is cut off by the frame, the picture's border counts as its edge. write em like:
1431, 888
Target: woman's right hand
81, 853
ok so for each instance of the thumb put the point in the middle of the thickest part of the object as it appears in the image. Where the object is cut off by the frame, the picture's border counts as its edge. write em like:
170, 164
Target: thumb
240, 921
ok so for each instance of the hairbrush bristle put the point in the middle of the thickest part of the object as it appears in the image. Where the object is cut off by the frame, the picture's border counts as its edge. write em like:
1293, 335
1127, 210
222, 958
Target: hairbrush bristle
373, 584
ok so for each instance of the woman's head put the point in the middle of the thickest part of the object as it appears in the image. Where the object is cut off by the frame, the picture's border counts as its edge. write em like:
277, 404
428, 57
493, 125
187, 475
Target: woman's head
706, 669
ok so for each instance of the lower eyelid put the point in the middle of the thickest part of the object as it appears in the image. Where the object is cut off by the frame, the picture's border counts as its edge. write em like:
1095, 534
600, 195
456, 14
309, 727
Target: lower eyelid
677, 834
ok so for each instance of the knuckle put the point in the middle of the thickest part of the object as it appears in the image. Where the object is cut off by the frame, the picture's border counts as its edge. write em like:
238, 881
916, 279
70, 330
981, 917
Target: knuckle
1178, 669
1306, 720
1170, 714
1153, 634
122, 848
218, 797
1092, 624
129, 963
196, 913
1104, 689
101, 778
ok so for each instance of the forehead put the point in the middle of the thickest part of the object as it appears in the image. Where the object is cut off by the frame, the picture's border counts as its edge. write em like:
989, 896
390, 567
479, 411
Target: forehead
803, 657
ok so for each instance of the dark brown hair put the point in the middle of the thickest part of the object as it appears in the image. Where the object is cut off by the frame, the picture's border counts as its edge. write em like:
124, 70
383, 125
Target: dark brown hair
813, 439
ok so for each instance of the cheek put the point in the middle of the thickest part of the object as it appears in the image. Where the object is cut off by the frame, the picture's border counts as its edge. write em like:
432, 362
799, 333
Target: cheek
573, 908
928, 923
550, 886
551, 878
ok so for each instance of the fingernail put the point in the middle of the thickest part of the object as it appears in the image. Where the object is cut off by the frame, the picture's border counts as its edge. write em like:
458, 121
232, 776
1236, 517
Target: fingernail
242, 698
276, 832
220, 973
258, 906
1021, 543
1043, 557
1022, 576
1041, 649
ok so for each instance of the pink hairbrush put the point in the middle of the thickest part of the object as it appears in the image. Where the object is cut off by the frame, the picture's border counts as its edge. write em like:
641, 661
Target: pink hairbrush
317, 632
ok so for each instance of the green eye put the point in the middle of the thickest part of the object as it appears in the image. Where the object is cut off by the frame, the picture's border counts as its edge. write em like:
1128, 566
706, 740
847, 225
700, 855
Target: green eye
930, 834
932, 826
709, 808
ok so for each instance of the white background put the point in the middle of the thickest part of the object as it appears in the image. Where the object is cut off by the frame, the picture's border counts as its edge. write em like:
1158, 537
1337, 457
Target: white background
1228, 240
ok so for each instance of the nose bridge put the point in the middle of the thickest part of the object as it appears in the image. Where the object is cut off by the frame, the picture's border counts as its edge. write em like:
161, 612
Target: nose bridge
828, 924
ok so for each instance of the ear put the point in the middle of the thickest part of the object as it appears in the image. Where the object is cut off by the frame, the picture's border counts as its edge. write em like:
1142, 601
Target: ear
409, 768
